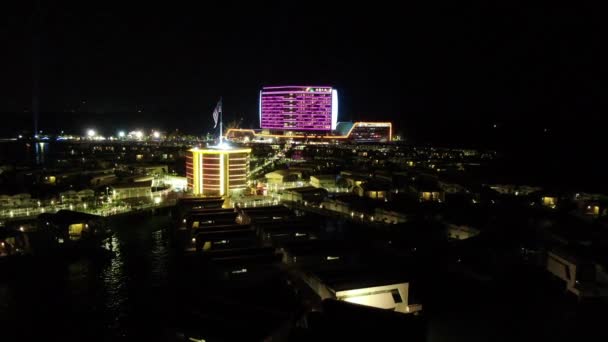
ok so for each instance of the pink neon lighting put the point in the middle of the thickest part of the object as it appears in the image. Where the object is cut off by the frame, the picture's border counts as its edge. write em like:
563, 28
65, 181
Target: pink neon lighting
297, 108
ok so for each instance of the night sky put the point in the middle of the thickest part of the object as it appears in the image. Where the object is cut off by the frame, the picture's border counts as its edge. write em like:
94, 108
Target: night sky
430, 69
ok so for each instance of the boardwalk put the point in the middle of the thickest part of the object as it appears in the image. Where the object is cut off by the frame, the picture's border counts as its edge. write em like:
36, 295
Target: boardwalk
25, 213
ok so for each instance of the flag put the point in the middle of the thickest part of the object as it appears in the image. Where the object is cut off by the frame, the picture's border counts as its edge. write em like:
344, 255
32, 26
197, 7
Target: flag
216, 112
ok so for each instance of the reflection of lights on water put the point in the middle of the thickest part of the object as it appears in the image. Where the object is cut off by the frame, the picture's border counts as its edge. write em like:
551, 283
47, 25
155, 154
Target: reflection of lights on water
196, 340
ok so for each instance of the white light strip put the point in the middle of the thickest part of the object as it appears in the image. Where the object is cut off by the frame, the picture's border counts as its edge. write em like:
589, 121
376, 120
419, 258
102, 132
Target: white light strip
200, 174
222, 171
334, 109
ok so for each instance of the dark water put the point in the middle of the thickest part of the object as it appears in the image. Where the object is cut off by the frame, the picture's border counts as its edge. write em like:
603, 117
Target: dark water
125, 297
135, 296
28, 153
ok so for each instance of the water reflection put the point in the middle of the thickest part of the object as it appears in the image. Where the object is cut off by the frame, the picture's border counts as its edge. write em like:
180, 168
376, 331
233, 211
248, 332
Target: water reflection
41, 150
159, 256
113, 277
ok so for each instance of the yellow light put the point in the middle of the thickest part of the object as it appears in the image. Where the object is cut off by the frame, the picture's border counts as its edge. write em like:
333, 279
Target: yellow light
356, 124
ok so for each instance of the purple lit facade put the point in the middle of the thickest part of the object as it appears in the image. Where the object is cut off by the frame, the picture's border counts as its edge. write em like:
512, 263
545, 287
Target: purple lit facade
299, 108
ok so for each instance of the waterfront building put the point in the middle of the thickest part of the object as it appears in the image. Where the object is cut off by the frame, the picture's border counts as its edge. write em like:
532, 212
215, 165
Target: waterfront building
345, 131
217, 171
131, 190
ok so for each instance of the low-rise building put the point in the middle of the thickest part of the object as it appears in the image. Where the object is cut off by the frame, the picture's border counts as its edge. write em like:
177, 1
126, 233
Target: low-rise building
369, 288
17, 200
461, 232
279, 177
582, 277
104, 179
390, 216
374, 189
131, 190
323, 181
431, 196
517, 190
549, 201
304, 194
66, 225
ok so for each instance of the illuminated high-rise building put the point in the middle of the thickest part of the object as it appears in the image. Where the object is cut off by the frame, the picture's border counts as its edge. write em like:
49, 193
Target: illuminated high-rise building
217, 171
299, 108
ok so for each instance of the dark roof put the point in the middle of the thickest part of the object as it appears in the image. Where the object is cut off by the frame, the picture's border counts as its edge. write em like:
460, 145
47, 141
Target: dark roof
146, 184
220, 228
356, 278
325, 176
266, 211
206, 211
341, 321
212, 215
318, 247
6, 233
188, 200
306, 190
68, 217
376, 186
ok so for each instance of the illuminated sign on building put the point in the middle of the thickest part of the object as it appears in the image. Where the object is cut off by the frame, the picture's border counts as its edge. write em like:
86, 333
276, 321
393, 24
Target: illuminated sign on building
312, 108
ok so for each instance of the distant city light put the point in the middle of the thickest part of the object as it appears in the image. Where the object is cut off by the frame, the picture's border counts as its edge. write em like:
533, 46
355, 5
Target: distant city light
136, 134
91, 133
121, 134
156, 134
